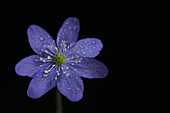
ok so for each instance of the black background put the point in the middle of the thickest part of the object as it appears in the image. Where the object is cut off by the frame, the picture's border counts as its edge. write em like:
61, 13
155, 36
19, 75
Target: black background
135, 36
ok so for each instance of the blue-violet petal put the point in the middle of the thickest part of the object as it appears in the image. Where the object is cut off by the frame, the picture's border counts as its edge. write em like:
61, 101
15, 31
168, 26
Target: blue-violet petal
41, 83
70, 84
90, 68
40, 40
68, 33
88, 47
28, 66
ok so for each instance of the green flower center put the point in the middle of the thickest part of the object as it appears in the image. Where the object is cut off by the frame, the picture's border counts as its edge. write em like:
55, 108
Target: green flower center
59, 58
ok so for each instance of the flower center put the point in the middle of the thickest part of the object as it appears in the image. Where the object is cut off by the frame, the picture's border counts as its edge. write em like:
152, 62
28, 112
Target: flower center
59, 58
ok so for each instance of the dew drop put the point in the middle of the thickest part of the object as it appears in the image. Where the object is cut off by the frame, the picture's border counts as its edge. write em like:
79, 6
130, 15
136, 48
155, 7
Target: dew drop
93, 42
75, 20
38, 67
59, 84
67, 22
69, 28
74, 28
68, 88
48, 36
84, 41
38, 30
81, 46
36, 47
45, 41
64, 30
78, 89
84, 53
86, 48
36, 42
63, 33
41, 38
60, 35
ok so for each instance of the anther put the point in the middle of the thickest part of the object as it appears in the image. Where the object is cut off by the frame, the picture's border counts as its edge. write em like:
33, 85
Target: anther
55, 77
67, 74
45, 75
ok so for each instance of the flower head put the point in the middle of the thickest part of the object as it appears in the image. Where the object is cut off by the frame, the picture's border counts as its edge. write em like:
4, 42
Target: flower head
62, 62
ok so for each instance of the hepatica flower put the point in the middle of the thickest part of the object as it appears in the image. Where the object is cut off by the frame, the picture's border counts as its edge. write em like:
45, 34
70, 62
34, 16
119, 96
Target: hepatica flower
61, 63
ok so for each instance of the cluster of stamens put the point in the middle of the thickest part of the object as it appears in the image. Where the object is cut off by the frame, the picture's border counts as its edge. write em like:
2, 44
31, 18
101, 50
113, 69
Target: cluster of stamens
56, 57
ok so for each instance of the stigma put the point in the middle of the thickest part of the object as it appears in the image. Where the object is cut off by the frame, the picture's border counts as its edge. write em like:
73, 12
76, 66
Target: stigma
59, 58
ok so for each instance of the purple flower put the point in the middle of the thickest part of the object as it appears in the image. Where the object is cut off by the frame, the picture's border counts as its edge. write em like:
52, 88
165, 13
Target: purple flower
61, 63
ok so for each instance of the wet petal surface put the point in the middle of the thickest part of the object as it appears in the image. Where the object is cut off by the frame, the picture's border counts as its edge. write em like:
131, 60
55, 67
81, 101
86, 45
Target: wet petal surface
29, 66
40, 40
70, 84
90, 68
68, 33
89, 47
41, 83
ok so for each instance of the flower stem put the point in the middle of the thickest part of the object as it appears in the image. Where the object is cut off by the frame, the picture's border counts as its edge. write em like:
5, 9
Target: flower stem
59, 102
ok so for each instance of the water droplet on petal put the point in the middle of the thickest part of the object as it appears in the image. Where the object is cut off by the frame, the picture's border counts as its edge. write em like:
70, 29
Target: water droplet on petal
78, 89
81, 46
38, 30
67, 22
74, 28
86, 48
84, 53
36, 47
68, 88
75, 20
45, 41
36, 42
84, 41
48, 36
59, 84
94, 42
41, 38
69, 28
63, 33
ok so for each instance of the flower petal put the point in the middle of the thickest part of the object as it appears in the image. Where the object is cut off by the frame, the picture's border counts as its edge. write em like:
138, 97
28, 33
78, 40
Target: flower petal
40, 85
28, 66
89, 47
90, 68
39, 39
68, 33
70, 84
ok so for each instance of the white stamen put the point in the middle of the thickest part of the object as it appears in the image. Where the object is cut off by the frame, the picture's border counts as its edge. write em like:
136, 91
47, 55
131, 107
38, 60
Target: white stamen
67, 74
55, 77
45, 75
58, 71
